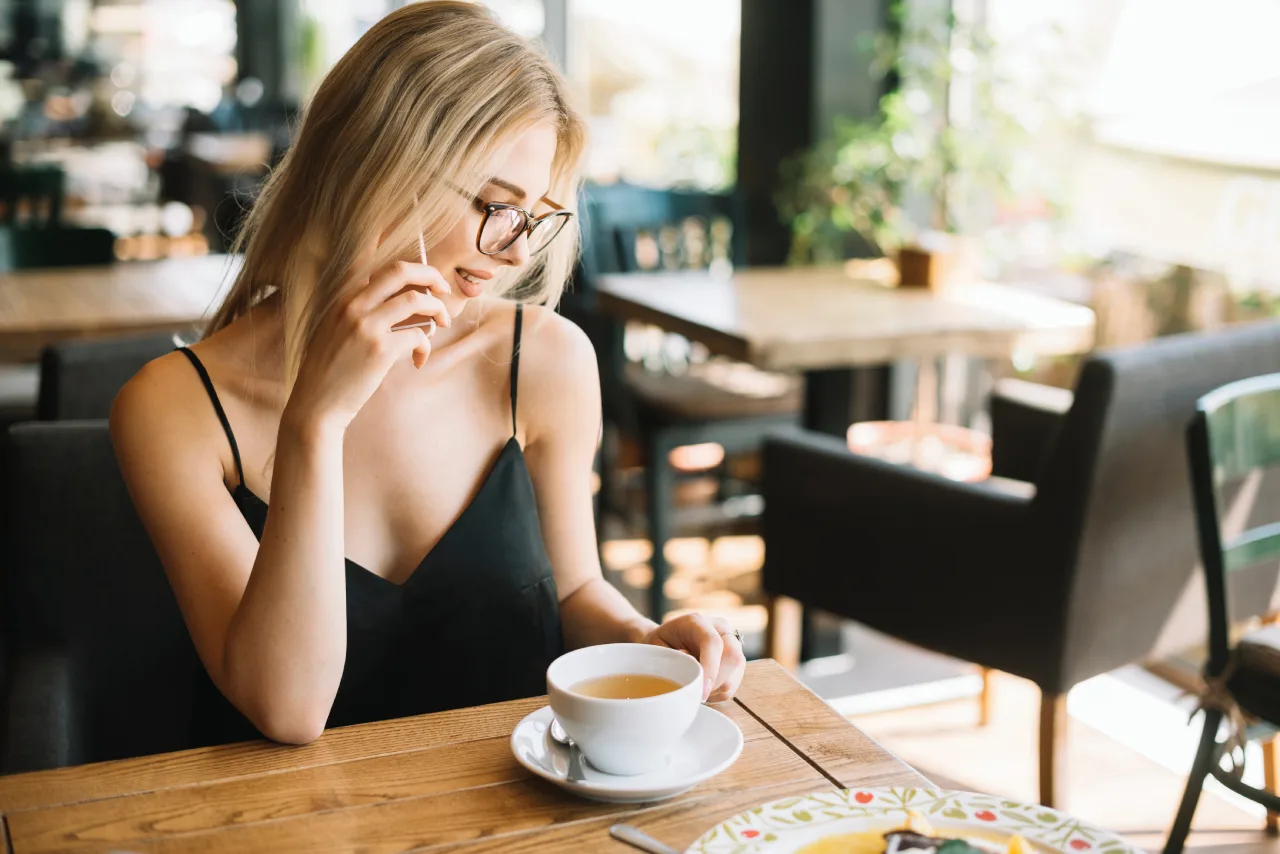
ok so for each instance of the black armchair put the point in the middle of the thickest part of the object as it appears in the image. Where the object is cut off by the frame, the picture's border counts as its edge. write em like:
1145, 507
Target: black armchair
1073, 576
100, 665
80, 379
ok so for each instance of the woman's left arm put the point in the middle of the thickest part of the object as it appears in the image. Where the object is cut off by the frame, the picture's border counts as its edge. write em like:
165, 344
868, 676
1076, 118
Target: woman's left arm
560, 414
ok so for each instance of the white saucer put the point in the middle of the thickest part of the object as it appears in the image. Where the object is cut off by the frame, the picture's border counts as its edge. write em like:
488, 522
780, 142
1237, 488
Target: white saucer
711, 745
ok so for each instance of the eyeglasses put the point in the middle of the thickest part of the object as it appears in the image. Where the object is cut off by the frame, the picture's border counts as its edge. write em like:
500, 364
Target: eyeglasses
503, 224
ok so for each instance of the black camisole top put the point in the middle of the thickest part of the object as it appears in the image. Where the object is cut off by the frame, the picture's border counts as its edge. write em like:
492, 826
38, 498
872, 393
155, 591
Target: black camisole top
477, 622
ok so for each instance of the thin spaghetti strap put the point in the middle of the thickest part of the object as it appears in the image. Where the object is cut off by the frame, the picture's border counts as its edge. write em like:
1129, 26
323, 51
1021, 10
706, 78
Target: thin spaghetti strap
515, 364
217, 407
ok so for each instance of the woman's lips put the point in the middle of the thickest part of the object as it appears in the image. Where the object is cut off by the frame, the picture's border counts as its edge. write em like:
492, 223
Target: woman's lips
469, 289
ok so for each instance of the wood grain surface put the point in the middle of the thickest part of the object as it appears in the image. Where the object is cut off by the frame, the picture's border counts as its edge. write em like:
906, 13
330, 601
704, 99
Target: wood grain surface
807, 318
39, 307
443, 782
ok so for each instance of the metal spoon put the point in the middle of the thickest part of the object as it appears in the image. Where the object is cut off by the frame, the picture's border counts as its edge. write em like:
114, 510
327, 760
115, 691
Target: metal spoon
637, 838
576, 772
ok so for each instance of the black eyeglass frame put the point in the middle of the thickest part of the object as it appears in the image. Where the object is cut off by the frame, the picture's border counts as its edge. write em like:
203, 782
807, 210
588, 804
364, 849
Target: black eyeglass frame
531, 222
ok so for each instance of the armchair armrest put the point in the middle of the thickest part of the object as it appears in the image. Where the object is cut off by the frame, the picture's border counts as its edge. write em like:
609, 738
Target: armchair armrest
887, 545
41, 717
1025, 419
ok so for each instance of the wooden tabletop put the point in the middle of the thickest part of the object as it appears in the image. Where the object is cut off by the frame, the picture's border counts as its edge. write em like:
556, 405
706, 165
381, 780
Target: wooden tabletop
39, 307
442, 782
806, 318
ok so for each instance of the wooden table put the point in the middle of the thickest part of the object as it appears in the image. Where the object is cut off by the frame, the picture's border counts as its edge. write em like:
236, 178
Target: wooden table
39, 307
442, 782
823, 322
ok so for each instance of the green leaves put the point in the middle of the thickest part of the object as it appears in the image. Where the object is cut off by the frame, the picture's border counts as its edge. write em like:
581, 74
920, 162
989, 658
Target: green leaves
952, 141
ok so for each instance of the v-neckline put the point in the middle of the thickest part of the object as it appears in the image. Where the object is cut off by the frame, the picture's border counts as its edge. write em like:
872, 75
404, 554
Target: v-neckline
484, 485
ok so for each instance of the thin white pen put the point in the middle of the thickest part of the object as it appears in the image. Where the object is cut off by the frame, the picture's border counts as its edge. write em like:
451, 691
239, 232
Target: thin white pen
422, 250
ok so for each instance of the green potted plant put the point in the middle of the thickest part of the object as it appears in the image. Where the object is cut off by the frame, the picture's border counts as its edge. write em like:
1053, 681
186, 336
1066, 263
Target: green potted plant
918, 182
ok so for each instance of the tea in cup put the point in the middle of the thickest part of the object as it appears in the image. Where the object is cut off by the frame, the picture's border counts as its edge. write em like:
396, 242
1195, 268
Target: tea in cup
625, 704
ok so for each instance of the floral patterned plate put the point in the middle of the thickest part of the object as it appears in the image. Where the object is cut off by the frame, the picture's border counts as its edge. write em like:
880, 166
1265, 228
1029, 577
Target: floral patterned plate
800, 825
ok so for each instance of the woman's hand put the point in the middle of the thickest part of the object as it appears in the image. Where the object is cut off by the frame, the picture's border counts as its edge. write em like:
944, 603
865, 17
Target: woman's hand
355, 346
710, 640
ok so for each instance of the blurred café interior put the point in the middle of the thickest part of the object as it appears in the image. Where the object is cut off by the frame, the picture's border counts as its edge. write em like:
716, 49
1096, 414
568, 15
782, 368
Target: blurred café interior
902, 309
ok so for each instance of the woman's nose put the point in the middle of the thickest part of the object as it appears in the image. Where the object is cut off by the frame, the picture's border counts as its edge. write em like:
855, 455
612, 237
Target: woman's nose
517, 254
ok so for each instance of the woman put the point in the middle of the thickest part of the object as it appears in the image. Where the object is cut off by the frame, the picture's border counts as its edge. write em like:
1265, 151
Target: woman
362, 518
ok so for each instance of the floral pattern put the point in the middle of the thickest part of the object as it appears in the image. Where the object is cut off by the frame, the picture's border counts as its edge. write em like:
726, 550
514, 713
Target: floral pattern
792, 823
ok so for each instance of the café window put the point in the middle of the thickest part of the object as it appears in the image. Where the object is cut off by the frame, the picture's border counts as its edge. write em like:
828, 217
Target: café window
328, 28
658, 82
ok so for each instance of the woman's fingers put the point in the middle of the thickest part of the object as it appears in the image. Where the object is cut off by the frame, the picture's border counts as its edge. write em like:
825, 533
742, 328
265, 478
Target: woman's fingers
395, 278
733, 665
695, 634
409, 303
414, 341
710, 640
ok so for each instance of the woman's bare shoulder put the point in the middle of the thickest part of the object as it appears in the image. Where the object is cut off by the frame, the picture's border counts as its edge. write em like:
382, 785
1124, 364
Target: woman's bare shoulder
558, 373
169, 383
557, 349
165, 411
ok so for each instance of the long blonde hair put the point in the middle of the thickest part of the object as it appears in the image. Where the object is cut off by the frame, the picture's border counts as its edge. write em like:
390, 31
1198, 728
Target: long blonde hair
427, 98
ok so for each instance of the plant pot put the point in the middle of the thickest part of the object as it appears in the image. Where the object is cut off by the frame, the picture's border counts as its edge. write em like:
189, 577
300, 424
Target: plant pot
936, 261
920, 268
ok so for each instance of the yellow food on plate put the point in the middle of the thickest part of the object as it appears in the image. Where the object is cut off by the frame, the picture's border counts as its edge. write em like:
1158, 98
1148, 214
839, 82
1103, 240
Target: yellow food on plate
1018, 845
866, 842
916, 835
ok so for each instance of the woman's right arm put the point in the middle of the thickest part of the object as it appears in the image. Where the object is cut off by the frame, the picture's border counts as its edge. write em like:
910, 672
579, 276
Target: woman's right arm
268, 619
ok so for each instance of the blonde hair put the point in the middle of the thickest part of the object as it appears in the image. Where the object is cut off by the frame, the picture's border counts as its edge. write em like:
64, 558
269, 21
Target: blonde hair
426, 99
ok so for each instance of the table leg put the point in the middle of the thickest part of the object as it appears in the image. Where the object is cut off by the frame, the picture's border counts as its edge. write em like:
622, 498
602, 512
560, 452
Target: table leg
782, 639
659, 493
834, 399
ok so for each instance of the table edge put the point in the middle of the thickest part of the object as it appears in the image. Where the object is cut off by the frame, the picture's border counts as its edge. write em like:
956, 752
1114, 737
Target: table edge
1067, 338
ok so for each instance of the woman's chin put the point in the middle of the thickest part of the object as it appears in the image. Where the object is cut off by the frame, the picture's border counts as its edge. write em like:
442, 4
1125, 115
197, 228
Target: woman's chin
456, 303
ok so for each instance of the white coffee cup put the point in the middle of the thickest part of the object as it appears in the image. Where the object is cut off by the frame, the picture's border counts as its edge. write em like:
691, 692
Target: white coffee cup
625, 737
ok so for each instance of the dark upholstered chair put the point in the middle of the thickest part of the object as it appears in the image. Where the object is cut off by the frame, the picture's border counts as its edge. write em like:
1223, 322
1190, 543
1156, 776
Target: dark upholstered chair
1232, 442
100, 665
80, 379
28, 248
32, 233
19, 385
75, 379
31, 196
632, 229
1094, 568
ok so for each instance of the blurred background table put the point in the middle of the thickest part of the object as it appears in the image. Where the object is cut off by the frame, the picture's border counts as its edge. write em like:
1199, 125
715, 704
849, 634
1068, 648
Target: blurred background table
41, 307
832, 327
